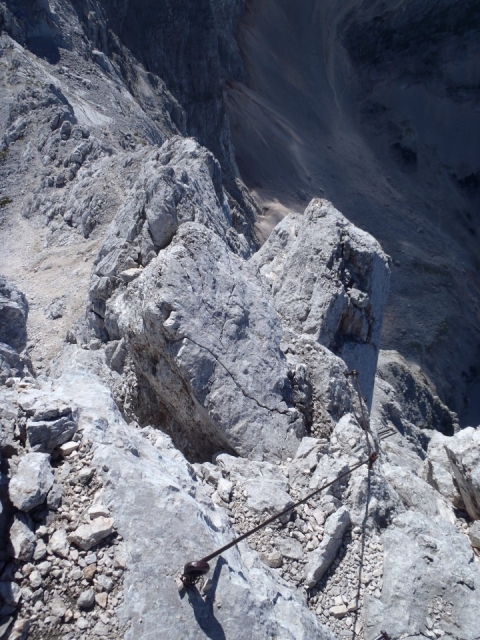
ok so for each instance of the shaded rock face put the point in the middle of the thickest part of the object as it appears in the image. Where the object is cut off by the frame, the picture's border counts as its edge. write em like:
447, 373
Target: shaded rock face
329, 280
374, 105
13, 316
201, 326
208, 344
417, 402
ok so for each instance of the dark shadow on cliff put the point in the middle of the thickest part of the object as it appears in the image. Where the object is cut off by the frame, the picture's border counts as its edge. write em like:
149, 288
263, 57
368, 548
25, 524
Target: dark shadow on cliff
203, 608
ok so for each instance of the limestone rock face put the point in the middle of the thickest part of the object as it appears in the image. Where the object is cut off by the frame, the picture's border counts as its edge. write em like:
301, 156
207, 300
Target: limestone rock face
13, 315
178, 183
206, 339
439, 472
320, 559
418, 403
166, 519
32, 481
464, 454
329, 280
426, 562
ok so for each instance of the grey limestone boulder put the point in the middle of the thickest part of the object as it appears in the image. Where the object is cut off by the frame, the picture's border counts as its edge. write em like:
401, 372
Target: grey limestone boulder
474, 534
330, 280
438, 470
22, 538
31, 482
464, 454
267, 497
416, 494
46, 435
13, 315
320, 560
205, 338
88, 535
428, 565
180, 182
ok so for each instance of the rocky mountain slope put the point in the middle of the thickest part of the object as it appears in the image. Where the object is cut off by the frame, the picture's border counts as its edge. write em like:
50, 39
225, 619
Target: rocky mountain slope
169, 376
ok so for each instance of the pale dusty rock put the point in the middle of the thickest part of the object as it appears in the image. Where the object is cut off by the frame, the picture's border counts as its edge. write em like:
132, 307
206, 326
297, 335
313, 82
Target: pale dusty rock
338, 611
320, 559
87, 536
59, 544
22, 538
349, 437
464, 454
383, 501
224, 489
216, 339
101, 599
137, 488
40, 550
438, 470
327, 470
306, 259
474, 534
416, 493
32, 481
272, 559
290, 548
98, 511
68, 448
421, 556
35, 579
267, 496
58, 607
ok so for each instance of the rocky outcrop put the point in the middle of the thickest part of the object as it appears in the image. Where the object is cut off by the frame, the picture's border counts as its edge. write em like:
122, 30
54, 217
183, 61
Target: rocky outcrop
329, 280
208, 344
424, 588
13, 316
464, 454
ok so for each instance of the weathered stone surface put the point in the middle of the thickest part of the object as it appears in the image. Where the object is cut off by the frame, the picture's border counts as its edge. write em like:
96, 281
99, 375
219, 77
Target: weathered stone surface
330, 280
32, 481
22, 538
327, 470
87, 536
59, 544
266, 496
45, 435
474, 534
464, 454
416, 493
208, 345
426, 560
320, 559
86, 599
290, 548
155, 480
438, 470
13, 315
418, 403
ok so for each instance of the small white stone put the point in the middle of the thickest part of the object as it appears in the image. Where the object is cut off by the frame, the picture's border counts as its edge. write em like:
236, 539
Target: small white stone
68, 448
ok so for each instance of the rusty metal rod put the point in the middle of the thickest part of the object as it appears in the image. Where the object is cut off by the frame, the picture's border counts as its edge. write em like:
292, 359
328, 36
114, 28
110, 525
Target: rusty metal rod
282, 513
